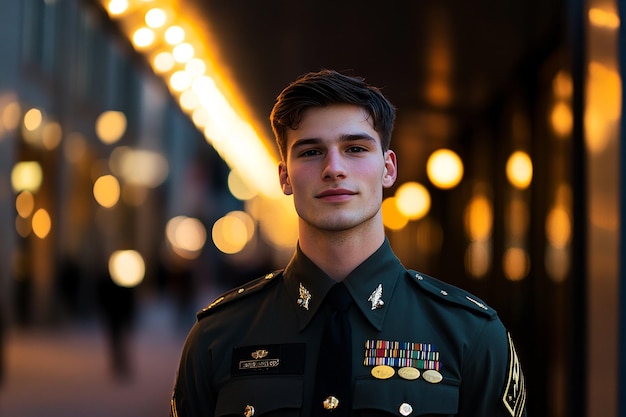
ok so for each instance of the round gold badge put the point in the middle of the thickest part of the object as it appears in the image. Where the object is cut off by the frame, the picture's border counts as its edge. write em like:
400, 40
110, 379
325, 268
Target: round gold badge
433, 376
382, 372
409, 373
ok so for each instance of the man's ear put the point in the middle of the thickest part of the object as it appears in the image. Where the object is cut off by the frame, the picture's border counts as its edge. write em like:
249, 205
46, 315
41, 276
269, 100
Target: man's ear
283, 176
391, 169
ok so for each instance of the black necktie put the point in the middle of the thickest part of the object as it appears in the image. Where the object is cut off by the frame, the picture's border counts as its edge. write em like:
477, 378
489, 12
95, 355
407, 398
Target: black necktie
332, 395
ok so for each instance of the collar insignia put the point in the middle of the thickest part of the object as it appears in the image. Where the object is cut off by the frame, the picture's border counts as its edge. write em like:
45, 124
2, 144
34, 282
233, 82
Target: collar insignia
375, 298
304, 297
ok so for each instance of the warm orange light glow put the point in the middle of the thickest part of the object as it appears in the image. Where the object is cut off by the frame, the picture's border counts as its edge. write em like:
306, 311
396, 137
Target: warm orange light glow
392, 217
562, 85
519, 170
110, 126
180, 80
51, 135
238, 187
143, 37
444, 169
516, 264
106, 191
25, 204
558, 227
33, 119
127, 268
183, 52
155, 18
10, 116
26, 175
41, 223
174, 35
413, 200
186, 235
117, 7
478, 259
604, 18
479, 218
562, 119
164, 62
230, 234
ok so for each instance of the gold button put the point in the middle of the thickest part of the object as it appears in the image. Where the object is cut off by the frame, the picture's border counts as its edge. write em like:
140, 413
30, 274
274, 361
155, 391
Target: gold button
433, 376
330, 403
248, 411
405, 409
383, 372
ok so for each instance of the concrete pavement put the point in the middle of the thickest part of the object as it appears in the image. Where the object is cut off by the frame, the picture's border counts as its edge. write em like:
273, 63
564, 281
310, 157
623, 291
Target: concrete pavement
66, 372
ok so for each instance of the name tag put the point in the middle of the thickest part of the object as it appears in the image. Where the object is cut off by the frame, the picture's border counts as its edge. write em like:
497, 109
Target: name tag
276, 359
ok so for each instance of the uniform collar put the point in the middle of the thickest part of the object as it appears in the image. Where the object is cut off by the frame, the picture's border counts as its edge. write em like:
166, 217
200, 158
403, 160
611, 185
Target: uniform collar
307, 285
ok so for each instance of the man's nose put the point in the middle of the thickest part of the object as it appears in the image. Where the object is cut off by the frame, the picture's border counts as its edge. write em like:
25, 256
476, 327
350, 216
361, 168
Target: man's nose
334, 165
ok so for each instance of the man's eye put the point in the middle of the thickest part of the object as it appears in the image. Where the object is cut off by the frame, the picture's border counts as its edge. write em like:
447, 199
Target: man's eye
310, 152
356, 149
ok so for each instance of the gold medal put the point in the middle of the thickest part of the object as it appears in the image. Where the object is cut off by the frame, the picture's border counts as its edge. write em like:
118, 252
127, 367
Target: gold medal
409, 373
433, 376
382, 372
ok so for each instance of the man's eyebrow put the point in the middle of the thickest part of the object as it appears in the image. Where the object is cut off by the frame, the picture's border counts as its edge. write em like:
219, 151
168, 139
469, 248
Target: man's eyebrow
348, 137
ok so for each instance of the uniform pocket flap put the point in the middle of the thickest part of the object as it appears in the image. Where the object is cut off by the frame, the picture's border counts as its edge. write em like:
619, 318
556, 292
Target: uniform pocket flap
264, 394
418, 396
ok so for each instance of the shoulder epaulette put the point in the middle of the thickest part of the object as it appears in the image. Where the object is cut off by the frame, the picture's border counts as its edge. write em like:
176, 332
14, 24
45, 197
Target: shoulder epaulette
451, 294
239, 292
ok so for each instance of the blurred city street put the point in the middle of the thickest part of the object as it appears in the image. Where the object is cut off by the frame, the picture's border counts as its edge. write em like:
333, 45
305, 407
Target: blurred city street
66, 371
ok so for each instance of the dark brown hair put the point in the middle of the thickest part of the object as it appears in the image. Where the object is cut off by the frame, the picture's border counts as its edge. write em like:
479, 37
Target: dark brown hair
324, 88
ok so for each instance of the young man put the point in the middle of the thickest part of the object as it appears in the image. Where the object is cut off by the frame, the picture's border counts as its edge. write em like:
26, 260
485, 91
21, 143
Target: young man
403, 344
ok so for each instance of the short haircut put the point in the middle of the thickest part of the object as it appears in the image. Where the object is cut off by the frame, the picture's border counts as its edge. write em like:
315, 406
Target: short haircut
325, 88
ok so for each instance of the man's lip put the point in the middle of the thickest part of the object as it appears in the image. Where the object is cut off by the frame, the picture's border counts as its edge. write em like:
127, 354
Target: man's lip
335, 192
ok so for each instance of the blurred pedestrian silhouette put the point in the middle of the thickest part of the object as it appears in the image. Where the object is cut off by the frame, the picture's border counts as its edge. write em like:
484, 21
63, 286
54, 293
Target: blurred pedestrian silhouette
117, 305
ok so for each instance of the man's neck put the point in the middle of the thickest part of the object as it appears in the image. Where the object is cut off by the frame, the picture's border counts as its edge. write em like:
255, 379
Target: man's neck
339, 253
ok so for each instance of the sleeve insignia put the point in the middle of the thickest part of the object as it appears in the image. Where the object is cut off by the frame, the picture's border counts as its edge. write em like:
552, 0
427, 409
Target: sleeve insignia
514, 397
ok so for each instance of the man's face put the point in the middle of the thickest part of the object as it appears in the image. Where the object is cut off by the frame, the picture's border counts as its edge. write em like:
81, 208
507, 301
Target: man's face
335, 168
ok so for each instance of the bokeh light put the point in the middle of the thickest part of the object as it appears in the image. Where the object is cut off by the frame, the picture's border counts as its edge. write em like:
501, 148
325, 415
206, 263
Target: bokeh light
106, 191
413, 200
110, 126
41, 223
127, 268
392, 217
444, 168
519, 170
26, 175
186, 236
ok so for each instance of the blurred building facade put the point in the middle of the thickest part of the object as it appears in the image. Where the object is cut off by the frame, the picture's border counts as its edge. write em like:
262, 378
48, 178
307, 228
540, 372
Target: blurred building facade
533, 225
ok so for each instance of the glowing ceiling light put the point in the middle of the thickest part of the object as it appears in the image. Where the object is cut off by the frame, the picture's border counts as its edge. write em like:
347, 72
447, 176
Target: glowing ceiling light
195, 67
174, 35
143, 37
180, 80
183, 52
164, 61
117, 7
155, 18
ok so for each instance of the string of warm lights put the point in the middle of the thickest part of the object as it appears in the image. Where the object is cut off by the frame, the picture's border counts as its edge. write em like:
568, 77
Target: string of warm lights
181, 58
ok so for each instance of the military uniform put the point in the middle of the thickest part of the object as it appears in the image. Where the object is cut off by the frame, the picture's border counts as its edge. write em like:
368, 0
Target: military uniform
420, 347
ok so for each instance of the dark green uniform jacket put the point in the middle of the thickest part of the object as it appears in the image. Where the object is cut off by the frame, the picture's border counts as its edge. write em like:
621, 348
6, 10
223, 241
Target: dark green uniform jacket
253, 352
